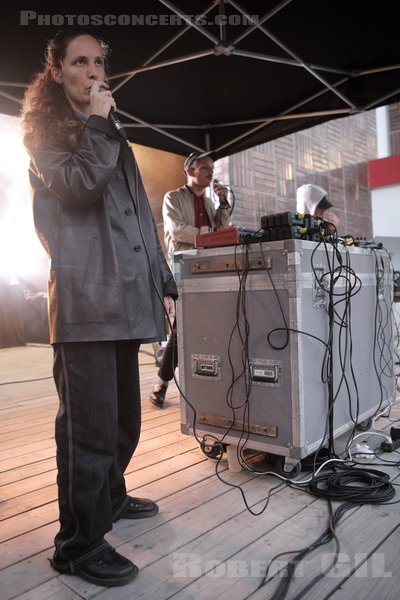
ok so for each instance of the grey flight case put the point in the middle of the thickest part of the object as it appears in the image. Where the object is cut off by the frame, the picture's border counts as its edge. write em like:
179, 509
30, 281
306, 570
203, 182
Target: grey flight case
282, 344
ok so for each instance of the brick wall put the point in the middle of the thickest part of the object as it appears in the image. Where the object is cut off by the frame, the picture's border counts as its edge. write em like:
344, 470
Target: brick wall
334, 155
394, 121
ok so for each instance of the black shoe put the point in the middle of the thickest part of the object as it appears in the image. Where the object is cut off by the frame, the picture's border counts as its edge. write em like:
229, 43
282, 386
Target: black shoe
157, 396
110, 569
139, 508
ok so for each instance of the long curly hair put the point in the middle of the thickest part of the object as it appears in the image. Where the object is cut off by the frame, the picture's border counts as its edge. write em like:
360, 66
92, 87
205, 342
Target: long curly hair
48, 119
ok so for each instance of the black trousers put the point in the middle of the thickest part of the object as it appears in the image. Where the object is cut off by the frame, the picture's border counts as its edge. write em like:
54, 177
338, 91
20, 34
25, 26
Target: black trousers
169, 360
97, 431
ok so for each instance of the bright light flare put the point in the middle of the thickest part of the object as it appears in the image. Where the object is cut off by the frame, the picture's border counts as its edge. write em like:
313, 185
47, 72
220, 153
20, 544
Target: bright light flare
20, 249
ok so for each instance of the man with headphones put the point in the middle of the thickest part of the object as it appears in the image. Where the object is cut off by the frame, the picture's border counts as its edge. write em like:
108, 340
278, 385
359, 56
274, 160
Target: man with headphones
187, 212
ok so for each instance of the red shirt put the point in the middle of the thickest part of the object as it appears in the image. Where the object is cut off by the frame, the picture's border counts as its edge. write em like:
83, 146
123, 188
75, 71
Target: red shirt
201, 218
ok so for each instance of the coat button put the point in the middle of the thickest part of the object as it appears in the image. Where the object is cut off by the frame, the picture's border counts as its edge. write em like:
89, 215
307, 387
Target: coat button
120, 175
137, 248
128, 212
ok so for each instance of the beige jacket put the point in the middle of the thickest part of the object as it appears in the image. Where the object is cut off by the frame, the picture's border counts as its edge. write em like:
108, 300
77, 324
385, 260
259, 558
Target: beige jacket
179, 216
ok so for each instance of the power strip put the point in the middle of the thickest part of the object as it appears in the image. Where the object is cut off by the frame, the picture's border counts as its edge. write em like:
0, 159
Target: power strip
395, 443
390, 446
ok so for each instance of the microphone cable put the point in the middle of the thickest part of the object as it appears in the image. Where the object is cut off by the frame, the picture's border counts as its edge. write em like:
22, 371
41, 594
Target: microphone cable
116, 123
112, 115
154, 283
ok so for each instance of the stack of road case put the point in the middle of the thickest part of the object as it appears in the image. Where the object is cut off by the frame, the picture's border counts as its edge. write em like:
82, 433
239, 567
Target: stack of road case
283, 346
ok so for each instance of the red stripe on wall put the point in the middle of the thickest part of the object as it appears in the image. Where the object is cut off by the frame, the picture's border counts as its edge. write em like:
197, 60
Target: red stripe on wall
384, 171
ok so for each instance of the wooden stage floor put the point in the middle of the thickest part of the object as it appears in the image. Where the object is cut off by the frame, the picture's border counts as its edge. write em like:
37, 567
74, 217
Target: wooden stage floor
204, 544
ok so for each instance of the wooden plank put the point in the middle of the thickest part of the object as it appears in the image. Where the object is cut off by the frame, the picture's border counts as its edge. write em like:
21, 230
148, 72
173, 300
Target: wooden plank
39, 539
19, 524
203, 543
45, 494
25, 503
16, 584
25, 576
378, 576
43, 450
25, 471
34, 432
28, 544
174, 557
54, 589
359, 537
9, 415
192, 466
27, 458
20, 520
27, 485
19, 394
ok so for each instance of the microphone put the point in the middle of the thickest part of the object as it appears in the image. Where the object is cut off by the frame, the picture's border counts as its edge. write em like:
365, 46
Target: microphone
114, 120
223, 199
216, 184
